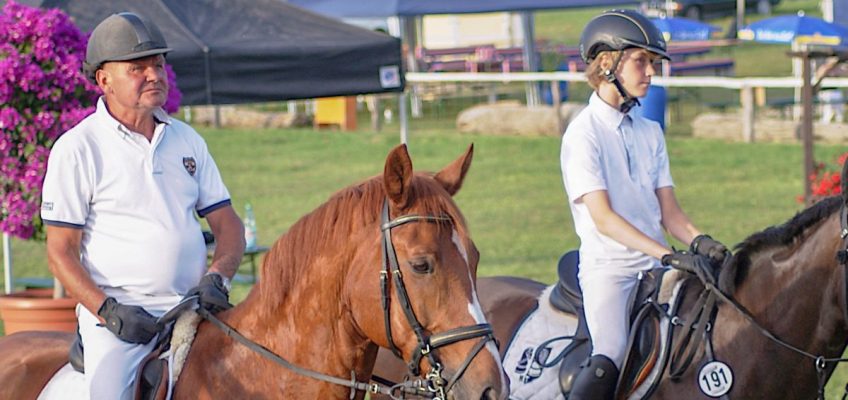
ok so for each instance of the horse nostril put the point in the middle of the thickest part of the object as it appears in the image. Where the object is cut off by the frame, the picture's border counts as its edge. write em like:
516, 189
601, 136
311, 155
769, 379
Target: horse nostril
488, 394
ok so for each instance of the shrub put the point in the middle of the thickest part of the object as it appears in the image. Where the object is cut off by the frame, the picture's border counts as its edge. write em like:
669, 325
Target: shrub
826, 182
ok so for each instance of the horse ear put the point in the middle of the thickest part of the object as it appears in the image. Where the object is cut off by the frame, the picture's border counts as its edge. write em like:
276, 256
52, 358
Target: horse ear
451, 177
397, 175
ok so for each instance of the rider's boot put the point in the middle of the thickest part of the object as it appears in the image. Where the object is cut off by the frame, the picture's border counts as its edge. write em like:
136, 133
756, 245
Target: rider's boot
596, 380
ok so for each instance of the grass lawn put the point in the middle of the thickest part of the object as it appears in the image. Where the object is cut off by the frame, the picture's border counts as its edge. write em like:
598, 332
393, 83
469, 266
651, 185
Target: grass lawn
513, 197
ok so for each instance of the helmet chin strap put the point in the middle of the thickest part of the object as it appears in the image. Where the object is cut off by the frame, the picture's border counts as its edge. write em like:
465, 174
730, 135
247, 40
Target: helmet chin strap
629, 101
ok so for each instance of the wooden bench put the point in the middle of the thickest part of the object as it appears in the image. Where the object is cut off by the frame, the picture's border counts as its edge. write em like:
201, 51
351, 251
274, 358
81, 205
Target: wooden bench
717, 67
485, 58
682, 52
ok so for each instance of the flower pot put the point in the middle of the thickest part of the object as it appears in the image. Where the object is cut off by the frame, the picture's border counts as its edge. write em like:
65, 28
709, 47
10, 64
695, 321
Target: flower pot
37, 310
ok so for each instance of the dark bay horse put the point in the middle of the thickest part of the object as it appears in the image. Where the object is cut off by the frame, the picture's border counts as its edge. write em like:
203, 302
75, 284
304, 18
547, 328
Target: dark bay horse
785, 282
320, 304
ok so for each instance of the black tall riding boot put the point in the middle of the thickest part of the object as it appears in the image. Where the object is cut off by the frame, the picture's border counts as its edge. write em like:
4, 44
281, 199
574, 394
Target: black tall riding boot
596, 380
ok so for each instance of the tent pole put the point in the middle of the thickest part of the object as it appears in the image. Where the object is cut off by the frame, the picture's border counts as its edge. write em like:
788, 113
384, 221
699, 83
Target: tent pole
530, 62
807, 122
740, 16
7, 262
404, 117
408, 41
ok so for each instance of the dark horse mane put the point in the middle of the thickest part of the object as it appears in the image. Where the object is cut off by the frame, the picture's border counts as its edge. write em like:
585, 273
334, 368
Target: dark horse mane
736, 270
334, 224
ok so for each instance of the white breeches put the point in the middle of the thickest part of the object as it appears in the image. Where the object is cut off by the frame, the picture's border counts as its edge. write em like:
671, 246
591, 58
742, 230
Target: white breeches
605, 295
110, 363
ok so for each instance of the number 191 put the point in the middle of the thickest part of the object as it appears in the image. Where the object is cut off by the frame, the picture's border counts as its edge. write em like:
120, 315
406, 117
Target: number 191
717, 378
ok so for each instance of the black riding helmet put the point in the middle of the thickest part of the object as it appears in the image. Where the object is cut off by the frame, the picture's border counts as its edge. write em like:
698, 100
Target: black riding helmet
620, 30
617, 30
121, 37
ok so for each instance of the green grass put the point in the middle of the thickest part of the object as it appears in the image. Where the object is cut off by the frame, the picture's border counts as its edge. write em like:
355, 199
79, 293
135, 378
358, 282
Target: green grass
513, 197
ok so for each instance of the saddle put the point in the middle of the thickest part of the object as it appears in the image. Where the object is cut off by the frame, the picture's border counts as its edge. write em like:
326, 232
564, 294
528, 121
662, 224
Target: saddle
151, 381
647, 347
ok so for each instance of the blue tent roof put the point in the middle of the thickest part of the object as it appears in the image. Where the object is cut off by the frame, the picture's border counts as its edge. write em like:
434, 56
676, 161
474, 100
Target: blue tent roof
388, 8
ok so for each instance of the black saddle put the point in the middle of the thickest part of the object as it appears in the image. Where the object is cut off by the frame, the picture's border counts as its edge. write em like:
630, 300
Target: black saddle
567, 295
151, 378
644, 341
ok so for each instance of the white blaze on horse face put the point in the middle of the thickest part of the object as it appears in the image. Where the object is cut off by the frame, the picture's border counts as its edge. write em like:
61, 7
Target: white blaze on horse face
474, 307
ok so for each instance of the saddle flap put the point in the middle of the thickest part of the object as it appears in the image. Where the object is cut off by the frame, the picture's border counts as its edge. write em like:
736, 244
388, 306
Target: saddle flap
152, 378
567, 296
75, 355
643, 350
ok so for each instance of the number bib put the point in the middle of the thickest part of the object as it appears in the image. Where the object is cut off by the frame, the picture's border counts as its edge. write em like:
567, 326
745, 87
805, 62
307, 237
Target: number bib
715, 379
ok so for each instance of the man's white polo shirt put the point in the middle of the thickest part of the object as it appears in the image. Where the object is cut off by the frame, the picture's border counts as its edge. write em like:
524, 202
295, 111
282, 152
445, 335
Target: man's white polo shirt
135, 201
594, 156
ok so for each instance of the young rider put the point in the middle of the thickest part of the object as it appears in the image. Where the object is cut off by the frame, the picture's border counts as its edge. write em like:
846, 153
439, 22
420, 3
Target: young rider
616, 174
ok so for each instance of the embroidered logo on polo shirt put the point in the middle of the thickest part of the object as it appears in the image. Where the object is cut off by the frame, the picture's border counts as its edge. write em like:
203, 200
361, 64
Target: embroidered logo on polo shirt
47, 206
190, 165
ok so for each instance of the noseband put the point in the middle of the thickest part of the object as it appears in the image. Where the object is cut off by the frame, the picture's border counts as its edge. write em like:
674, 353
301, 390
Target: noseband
436, 385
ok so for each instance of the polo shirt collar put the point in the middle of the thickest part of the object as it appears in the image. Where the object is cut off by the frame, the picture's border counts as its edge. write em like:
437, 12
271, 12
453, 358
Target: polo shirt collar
609, 115
159, 115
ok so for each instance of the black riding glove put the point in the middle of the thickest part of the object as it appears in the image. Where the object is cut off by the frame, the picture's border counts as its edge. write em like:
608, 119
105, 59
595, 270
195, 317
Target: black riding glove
129, 323
696, 264
707, 246
212, 294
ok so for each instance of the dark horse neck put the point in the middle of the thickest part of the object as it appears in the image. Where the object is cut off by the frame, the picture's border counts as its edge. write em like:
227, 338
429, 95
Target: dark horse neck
794, 287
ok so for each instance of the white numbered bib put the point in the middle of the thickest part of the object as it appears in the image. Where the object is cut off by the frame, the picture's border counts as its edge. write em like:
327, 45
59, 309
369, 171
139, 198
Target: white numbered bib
715, 379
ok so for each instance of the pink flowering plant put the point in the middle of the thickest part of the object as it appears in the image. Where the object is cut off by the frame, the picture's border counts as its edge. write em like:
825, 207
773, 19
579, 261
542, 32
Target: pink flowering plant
43, 93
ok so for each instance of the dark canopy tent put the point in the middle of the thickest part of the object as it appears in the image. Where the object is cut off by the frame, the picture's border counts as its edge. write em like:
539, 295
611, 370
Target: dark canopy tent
241, 51
408, 9
405, 8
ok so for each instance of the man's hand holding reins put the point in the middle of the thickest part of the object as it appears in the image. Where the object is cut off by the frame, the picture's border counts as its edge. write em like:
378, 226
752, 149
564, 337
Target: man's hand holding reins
129, 323
212, 293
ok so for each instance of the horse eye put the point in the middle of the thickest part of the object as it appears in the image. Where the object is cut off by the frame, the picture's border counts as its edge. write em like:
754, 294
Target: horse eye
420, 266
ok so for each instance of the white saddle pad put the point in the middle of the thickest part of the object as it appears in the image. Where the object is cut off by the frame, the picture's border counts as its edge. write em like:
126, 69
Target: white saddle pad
528, 378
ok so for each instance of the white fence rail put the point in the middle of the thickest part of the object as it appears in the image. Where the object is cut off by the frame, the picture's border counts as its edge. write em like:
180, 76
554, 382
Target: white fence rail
668, 81
746, 86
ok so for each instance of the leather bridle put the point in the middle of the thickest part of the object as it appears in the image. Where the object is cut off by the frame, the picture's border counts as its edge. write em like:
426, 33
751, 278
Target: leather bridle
820, 362
436, 385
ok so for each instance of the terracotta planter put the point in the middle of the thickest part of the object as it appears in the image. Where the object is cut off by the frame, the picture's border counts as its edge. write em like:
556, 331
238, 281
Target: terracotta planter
37, 310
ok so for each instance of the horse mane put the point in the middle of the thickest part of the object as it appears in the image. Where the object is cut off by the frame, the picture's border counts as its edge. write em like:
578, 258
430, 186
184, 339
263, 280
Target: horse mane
329, 230
734, 272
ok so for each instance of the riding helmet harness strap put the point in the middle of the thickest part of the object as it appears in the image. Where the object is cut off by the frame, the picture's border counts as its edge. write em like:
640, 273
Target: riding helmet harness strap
629, 101
426, 344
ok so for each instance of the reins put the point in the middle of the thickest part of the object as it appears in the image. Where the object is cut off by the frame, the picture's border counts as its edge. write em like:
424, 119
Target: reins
712, 291
353, 384
434, 386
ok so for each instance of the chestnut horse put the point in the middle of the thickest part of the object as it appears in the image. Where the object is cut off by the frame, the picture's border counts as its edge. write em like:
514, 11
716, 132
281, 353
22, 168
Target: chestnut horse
321, 300
781, 324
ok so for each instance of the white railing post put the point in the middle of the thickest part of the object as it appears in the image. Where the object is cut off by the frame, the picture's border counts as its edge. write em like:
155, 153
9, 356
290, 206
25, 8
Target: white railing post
746, 97
7, 262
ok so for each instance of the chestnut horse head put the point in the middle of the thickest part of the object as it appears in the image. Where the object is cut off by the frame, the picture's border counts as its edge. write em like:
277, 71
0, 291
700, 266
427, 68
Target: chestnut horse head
388, 262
